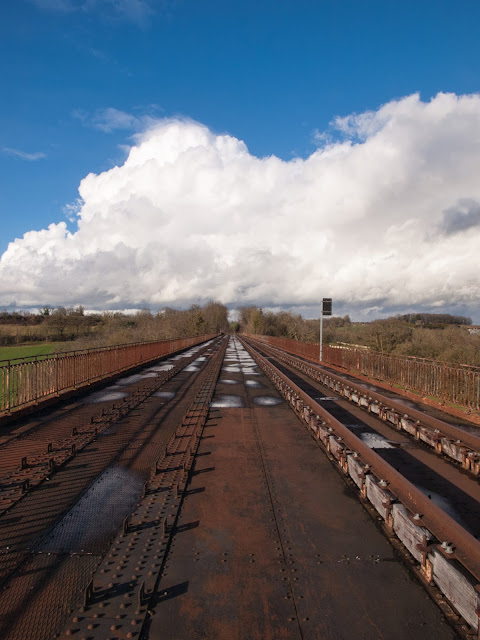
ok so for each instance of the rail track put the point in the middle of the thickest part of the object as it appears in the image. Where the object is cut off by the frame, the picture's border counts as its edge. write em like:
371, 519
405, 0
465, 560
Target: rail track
441, 533
187, 501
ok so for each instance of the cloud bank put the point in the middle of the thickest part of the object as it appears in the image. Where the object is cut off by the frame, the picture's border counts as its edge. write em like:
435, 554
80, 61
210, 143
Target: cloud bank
384, 218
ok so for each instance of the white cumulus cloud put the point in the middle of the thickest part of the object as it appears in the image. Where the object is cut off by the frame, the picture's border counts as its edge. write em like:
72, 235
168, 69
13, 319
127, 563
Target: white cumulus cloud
385, 219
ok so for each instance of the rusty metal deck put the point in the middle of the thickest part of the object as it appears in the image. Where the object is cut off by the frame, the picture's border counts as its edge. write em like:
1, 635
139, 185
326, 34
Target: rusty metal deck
270, 543
54, 536
179, 522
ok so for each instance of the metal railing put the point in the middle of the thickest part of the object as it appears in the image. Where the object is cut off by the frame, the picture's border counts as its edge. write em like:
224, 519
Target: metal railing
26, 381
456, 384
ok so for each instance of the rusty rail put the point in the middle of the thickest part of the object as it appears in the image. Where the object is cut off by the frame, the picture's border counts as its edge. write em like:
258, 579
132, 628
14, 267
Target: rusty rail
457, 445
26, 381
444, 540
455, 384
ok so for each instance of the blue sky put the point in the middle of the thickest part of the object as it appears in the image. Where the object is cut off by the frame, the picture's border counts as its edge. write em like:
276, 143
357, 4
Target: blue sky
273, 74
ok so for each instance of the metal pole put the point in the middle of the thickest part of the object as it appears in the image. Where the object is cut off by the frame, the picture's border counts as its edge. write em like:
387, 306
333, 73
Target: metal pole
321, 334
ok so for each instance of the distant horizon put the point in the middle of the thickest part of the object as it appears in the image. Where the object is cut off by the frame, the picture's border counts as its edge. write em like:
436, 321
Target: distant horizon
234, 311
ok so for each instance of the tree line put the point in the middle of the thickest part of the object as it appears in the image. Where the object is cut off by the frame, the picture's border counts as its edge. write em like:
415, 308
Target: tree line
434, 319
108, 328
434, 336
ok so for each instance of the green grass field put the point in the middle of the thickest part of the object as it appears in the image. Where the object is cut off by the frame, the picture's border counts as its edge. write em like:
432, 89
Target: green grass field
29, 351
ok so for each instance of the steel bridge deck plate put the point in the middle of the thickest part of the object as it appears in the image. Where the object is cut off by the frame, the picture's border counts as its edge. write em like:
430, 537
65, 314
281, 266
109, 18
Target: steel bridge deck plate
36, 603
271, 544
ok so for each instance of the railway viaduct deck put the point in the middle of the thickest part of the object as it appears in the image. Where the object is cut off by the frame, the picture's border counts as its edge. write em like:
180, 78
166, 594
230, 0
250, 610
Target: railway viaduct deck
190, 501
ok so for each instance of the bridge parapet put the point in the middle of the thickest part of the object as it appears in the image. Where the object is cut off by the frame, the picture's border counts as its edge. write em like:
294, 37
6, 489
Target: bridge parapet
28, 381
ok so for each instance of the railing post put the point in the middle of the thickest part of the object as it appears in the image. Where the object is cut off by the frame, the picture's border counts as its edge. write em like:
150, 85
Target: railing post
8, 403
75, 369
57, 375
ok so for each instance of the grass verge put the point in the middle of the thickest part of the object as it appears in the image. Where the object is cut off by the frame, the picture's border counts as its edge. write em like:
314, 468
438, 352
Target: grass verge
32, 350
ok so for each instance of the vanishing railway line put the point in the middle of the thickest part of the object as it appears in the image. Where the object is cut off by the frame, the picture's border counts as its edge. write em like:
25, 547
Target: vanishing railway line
435, 537
451, 485
187, 501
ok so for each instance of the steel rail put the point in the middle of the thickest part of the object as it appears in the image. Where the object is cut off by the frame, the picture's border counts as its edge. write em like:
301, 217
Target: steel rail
455, 384
469, 439
439, 523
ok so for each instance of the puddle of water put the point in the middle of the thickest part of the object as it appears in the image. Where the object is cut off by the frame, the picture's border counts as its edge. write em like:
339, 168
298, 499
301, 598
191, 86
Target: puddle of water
253, 384
222, 401
250, 371
109, 396
375, 441
231, 369
444, 504
324, 398
406, 403
163, 367
123, 382
191, 367
166, 395
267, 401
228, 381
98, 515
365, 385
190, 352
